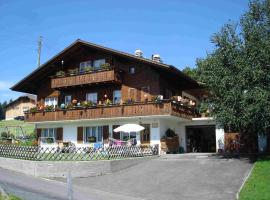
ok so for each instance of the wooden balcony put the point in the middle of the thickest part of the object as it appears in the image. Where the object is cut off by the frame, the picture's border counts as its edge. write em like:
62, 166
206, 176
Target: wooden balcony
113, 111
110, 75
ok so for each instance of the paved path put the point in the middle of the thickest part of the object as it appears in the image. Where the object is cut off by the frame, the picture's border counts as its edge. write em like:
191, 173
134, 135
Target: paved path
170, 177
32, 188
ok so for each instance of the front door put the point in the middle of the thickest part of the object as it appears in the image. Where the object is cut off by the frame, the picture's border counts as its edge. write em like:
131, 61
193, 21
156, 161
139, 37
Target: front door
145, 134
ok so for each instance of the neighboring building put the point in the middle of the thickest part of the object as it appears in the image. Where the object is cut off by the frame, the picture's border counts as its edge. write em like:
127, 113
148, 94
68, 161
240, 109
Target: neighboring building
17, 107
88, 90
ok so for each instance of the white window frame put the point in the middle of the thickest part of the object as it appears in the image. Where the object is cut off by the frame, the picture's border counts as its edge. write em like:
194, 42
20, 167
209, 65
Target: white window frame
85, 64
66, 99
25, 108
50, 101
97, 63
116, 98
96, 131
131, 70
48, 133
92, 97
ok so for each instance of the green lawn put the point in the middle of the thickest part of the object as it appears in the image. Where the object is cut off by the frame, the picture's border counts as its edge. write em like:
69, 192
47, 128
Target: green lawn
257, 186
26, 127
9, 197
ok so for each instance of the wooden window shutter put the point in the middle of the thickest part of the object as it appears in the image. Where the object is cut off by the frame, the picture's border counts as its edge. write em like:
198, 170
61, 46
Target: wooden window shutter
115, 134
80, 134
38, 133
105, 134
59, 134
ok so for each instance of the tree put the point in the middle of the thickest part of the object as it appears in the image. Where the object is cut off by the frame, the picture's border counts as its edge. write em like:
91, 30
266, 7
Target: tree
192, 72
3, 110
237, 72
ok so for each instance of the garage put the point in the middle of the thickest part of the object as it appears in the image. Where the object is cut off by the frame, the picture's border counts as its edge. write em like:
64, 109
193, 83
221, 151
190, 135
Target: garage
201, 138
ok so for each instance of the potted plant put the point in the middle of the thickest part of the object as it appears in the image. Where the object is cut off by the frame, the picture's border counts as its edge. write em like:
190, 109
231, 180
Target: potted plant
105, 66
73, 72
86, 104
74, 101
108, 102
69, 106
203, 109
129, 101
60, 74
62, 106
88, 69
48, 108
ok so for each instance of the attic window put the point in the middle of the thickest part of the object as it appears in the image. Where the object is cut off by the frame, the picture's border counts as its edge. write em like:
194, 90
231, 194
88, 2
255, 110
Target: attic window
131, 70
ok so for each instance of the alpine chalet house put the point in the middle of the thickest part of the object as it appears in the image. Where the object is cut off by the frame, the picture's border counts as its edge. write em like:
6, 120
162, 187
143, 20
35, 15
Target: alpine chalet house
87, 90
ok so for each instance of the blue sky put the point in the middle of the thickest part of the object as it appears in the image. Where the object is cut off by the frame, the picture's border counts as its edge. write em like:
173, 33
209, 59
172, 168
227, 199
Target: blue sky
178, 30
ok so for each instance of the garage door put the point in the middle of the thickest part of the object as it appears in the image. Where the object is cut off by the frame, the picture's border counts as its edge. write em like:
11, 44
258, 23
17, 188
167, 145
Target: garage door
201, 138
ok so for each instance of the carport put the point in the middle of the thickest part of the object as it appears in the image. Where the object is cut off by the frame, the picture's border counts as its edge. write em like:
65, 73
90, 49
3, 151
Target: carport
201, 138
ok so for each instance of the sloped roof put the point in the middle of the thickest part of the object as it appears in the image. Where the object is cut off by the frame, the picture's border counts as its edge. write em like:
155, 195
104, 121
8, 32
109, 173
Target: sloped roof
22, 85
27, 96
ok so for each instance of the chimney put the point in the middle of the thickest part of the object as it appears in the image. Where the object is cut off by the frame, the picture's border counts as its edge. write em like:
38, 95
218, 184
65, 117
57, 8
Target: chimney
139, 53
156, 58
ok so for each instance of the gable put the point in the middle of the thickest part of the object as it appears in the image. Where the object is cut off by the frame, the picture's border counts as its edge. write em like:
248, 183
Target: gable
34, 80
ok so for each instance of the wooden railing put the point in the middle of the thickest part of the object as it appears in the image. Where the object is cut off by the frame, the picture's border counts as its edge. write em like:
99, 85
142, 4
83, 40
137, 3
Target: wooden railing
109, 75
113, 111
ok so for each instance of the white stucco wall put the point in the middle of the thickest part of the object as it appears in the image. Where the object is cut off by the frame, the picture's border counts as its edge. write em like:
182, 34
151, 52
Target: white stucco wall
70, 128
158, 127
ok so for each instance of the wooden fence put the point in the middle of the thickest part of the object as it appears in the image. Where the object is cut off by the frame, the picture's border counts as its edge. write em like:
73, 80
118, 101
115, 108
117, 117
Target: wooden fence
38, 153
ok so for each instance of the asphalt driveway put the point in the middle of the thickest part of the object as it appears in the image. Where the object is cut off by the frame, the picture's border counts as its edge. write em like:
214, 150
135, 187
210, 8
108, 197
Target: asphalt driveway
171, 177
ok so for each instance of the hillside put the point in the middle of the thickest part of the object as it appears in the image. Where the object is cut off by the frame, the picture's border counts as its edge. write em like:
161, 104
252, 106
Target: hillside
16, 127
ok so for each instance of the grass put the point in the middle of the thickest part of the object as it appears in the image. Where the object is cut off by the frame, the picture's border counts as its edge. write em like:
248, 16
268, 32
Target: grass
9, 197
27, 128
258, 185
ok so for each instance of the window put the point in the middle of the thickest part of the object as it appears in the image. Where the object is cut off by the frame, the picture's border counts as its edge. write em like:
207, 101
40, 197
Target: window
92, 97
85, 64
25, 109
93, 134
145, 134
97, 63
131, 70
48, 132
122, 135
116, 96
68, 99
51, 101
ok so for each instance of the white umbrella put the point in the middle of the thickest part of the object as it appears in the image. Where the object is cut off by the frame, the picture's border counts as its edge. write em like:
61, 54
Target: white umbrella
127, 128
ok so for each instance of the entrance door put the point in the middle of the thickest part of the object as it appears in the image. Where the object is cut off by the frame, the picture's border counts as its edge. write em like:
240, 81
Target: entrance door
201, 138
145, 134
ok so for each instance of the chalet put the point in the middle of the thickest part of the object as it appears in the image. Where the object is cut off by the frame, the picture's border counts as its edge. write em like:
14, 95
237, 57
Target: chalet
16, 108
87, 90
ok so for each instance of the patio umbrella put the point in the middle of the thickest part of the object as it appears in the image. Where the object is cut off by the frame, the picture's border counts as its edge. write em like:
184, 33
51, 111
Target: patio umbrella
127, 128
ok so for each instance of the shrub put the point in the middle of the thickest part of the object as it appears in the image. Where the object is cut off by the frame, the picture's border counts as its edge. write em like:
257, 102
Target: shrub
60, 74
33, 110
105, 66
170, 133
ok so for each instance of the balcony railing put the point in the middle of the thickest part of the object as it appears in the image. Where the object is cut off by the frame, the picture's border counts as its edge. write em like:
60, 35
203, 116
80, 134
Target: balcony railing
108, 75
112, 111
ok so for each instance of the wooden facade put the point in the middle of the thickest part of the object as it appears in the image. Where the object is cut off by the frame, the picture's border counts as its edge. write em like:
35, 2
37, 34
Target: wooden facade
86, 79
143, 109
149, 79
